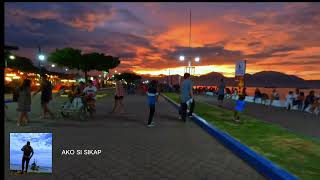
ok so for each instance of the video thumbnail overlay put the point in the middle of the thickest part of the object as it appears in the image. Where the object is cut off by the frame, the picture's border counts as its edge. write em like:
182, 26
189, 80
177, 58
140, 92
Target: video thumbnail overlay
30, 153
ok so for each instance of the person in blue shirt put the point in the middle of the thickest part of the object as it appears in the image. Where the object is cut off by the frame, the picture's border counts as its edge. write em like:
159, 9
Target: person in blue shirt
240, 103
153, 95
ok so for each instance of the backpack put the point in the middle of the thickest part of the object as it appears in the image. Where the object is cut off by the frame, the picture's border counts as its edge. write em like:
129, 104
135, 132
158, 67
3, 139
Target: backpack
15, 95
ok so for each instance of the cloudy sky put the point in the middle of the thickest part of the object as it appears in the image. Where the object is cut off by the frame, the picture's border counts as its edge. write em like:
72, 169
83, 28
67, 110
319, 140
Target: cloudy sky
150, 37
41, 144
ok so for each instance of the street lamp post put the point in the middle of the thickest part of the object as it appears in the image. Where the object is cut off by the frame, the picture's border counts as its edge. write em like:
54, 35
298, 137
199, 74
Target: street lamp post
190, 69
41, 57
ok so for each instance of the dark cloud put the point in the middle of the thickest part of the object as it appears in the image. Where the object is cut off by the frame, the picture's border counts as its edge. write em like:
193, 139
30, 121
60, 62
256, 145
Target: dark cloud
127, 55
208, 54
256, 43
271, 52
309, 57
288, 63
129, 16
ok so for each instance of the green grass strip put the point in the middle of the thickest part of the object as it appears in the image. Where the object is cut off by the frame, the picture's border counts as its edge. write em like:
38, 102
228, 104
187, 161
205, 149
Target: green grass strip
298, 154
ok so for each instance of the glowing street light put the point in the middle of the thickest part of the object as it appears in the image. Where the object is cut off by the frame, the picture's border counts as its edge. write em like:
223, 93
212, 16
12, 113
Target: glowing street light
197, 59
52, 65
12, 57
41, 57
181, 58
66, 69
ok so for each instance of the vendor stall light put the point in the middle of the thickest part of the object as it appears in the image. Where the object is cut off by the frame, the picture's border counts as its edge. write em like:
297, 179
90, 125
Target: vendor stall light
21, 73
16, 77
8, 79
10, 75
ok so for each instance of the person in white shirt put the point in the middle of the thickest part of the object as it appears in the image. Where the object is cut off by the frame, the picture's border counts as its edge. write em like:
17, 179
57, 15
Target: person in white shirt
289, 100
90, 95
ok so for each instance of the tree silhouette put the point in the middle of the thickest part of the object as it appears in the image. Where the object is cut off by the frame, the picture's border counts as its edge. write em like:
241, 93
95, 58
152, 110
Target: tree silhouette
74, 59
127, 76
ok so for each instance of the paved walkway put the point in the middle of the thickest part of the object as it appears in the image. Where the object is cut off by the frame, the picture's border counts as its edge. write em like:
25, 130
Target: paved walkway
170, 150
301, 122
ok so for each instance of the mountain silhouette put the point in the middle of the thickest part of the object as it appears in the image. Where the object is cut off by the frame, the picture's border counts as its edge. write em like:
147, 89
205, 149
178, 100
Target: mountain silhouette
259, 79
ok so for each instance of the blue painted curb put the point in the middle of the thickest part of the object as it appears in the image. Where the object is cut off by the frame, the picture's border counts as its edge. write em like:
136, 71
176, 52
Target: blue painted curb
8, 101
260, 163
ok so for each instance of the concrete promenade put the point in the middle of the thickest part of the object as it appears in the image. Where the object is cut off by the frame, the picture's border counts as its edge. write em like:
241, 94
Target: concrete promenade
130, 150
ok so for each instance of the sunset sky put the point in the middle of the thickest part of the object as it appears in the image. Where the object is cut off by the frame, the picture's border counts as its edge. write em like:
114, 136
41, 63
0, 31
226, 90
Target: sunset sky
150, 37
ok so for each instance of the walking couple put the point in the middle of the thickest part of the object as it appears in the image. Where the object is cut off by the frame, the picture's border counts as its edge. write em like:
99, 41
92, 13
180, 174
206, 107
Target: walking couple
187, 98
23, 99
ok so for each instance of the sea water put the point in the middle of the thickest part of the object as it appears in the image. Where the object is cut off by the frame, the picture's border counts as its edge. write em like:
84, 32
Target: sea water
41, 168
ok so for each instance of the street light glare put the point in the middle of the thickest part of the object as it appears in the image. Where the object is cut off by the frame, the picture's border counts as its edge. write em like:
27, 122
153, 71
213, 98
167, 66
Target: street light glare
12, 57
197, 59
53, 65
66, 69
181, 58
41, 57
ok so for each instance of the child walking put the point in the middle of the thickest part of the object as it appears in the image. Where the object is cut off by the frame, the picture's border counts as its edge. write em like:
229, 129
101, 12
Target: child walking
239, 108
152, 98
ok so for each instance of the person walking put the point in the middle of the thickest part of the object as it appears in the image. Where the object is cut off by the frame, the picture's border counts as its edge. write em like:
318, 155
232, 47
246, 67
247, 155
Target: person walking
186, 96
24, 102
221, 88
153, 96
27, 155
46, 95
118, 98
240, 104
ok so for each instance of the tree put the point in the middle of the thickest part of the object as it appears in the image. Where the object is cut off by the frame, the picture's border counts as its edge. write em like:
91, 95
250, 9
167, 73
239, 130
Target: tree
22, 64
73, 59
127, 76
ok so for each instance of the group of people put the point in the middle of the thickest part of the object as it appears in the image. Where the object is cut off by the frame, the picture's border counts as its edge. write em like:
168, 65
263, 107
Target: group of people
263, 96
310, 103
23, 98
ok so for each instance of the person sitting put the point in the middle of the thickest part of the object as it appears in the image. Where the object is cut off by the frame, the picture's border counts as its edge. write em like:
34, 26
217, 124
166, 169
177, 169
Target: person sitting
289, 100
298, 101
90, 95
309, 101
274, 96
315, 108
228, 93
257, 94
235, 93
